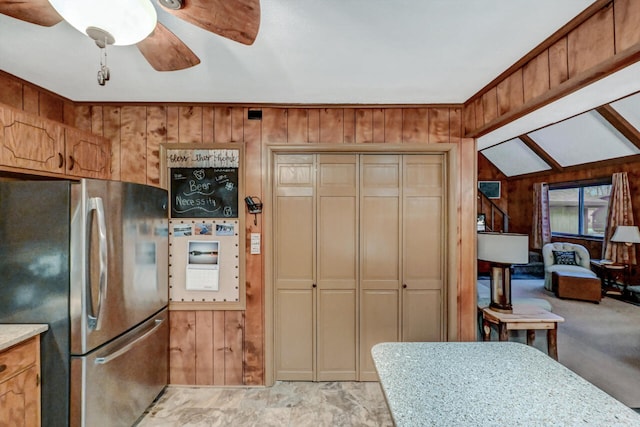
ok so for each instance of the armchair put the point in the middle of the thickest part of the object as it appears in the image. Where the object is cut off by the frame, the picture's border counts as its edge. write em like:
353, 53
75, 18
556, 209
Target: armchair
557, 262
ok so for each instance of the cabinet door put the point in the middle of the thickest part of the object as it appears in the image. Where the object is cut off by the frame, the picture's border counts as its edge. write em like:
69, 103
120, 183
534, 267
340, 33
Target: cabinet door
423, 247
29, 142
380, 255
294, 264
88, 156
20, 400
337, 267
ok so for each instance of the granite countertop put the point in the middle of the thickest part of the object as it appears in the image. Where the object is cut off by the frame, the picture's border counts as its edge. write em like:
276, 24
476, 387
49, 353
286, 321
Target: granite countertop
11, 334
489, 384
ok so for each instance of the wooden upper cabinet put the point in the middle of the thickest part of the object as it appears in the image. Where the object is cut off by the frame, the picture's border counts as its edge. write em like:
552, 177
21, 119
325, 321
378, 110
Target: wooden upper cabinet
28, 142
88, 156
38, 145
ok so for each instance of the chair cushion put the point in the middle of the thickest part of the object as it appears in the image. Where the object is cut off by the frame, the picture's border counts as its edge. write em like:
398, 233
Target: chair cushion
564, 257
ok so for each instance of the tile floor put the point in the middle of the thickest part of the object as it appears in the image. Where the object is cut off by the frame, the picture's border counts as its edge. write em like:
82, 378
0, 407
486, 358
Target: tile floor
298, 404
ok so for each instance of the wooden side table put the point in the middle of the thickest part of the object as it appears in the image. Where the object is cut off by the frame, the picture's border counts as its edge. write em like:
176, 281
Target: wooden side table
524, 317
609, 274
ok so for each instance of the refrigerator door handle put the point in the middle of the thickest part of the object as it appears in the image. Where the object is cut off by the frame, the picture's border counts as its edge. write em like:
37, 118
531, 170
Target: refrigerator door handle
95, 204
122, 350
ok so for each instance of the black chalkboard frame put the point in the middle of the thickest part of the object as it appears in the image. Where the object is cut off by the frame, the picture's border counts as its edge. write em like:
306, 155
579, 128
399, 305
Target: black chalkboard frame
204, 192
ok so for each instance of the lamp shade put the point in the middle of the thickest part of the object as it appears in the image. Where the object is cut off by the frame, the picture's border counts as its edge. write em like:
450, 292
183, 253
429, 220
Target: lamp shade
128, 21
503, 248
626, 234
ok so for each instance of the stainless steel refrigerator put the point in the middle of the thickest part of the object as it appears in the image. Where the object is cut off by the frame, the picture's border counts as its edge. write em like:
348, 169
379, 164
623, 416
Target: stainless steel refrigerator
90, 259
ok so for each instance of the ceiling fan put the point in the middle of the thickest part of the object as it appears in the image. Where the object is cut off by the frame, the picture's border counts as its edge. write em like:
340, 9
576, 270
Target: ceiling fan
237, 20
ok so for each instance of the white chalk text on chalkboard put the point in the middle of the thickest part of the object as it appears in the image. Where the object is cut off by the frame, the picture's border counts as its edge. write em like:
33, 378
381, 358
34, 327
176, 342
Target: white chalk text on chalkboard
204, 192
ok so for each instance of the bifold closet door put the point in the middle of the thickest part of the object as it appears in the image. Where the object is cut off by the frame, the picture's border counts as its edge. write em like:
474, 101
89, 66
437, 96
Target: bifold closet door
423, 247
294, 265
337, 267
380, 255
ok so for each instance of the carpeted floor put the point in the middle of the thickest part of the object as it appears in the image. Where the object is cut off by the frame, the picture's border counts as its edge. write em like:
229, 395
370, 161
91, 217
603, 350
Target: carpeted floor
600, 342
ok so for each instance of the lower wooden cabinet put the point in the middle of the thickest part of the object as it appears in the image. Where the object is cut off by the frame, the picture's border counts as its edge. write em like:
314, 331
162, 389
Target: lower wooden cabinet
20, 384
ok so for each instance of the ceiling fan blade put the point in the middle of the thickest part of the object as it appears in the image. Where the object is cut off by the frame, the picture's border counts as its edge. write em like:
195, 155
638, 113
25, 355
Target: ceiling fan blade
238, 20
39, 12
166, 52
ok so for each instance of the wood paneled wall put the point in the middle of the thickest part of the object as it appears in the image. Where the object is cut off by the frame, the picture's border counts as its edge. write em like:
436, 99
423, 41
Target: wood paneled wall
227, 347
602, 40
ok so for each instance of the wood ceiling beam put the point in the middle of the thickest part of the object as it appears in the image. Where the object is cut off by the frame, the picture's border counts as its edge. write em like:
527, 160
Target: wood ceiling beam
557, 167
620, 123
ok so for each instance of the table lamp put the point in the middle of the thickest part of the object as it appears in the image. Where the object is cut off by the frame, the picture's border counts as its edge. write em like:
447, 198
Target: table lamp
627, 234
502, 250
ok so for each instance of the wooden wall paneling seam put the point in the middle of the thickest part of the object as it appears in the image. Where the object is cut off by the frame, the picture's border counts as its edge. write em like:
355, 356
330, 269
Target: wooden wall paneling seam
173, 124
234, 347
156, 135
112, 129
30, 100
219, 349
349, 125
314, 125
236, 125
204, 354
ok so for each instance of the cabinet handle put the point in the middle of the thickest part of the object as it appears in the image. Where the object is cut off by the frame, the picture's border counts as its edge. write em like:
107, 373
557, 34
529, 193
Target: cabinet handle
314, 286
3, 367
73, 162
404, 285
60, 160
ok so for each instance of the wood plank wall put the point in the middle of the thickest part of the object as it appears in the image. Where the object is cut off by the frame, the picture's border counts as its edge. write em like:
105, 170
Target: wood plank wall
227, 347
602, 40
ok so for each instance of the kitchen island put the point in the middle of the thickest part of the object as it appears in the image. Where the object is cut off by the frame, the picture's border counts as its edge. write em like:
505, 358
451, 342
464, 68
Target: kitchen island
489, 384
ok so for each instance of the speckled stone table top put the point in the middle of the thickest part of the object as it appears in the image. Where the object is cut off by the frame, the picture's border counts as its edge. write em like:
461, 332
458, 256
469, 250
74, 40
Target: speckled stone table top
15, 334
489, 384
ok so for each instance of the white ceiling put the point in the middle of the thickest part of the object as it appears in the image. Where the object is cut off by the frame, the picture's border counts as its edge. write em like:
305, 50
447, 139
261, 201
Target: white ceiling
306, 52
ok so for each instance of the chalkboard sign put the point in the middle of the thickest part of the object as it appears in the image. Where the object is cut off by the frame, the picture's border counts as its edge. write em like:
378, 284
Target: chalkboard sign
204, 192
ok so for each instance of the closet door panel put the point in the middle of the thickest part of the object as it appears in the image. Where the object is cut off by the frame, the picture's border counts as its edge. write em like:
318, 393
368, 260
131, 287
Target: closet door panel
294, 258
379, 323
337, 335
294, 335
380, 272
337, 279
423, 248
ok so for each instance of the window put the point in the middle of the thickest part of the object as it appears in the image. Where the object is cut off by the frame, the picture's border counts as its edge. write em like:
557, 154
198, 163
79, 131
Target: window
579, 209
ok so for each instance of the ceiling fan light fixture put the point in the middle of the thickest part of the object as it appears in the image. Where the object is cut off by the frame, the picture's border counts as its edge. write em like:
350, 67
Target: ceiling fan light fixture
172, 4
127, 21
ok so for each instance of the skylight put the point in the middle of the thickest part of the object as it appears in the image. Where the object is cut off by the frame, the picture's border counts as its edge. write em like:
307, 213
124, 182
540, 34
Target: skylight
513, 158
585, 138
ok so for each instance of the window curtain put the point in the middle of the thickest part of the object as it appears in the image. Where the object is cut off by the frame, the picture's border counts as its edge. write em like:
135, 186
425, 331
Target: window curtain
620, 213
541, 231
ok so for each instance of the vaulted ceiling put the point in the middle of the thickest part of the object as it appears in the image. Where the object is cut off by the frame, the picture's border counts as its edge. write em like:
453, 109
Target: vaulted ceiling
604, 133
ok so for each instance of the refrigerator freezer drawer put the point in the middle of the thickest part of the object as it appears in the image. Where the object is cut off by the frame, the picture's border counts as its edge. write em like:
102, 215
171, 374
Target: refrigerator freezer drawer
113, 385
